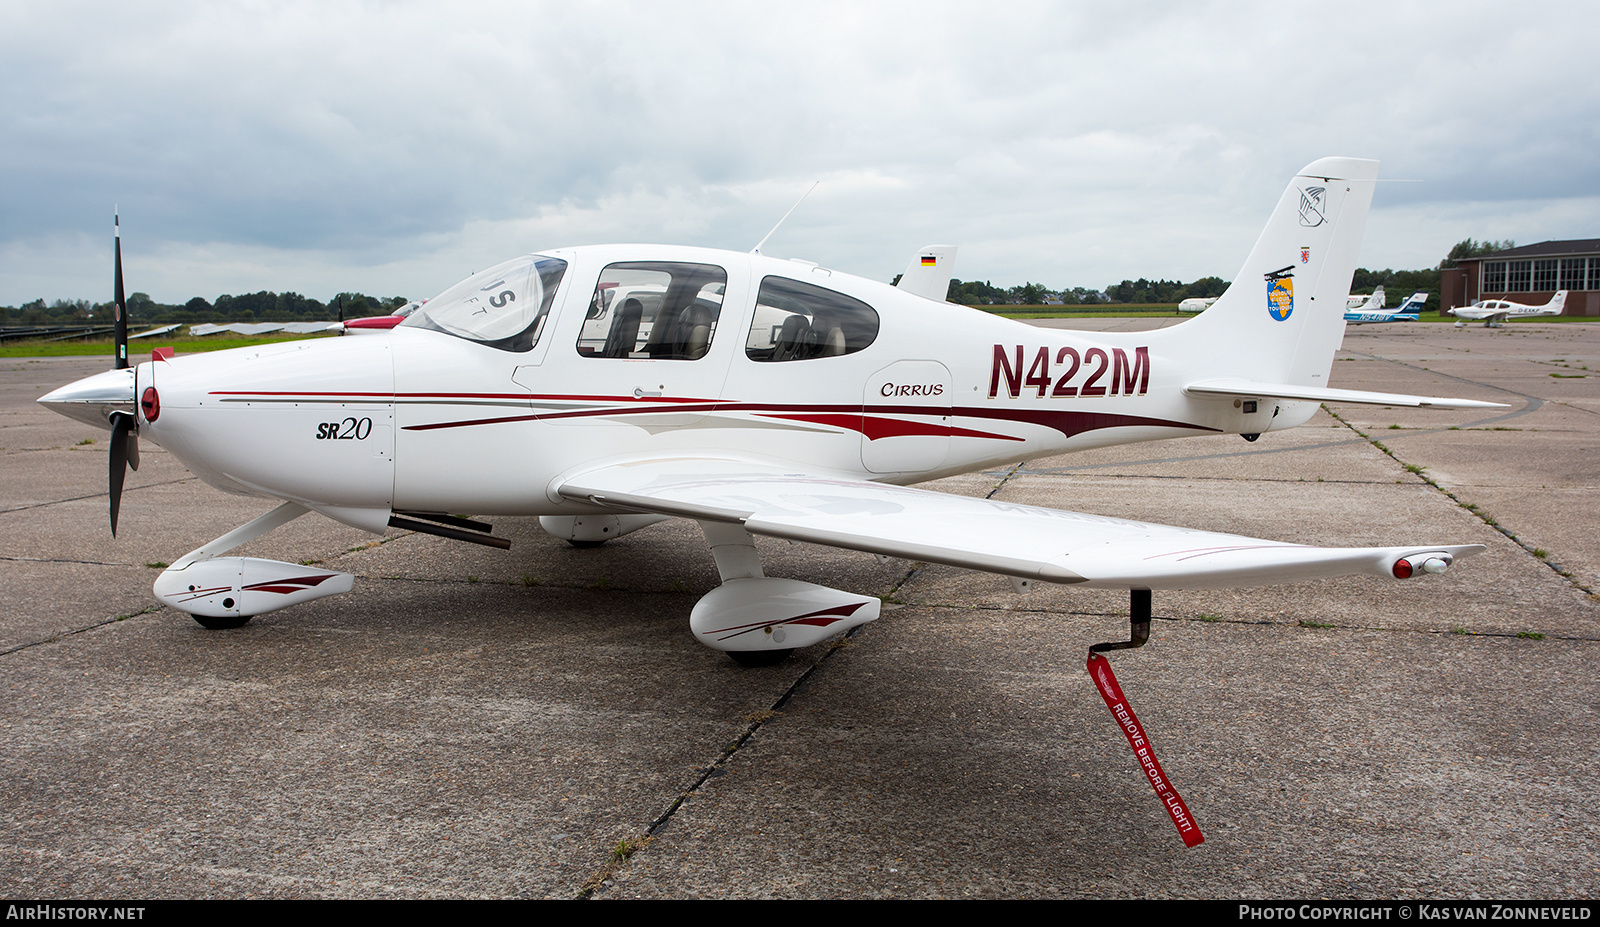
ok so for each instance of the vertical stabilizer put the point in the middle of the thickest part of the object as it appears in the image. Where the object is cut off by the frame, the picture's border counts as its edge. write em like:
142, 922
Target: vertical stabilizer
928, 274
1283, 317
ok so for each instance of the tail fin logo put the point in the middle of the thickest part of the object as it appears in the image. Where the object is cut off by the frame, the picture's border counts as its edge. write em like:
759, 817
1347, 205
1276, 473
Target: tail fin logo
1280, 293
1311, 206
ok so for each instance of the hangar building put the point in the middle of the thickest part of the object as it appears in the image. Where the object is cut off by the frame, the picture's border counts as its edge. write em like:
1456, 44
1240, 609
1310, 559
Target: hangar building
1530, 274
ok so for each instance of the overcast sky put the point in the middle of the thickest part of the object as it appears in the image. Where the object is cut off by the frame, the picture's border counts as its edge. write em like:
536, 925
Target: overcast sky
393, 148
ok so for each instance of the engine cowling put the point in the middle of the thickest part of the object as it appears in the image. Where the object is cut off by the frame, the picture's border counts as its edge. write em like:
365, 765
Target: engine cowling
776, 614
227, 587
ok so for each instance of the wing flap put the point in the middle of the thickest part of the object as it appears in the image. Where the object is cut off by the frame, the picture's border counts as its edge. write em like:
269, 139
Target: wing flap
980, 534
1229, 388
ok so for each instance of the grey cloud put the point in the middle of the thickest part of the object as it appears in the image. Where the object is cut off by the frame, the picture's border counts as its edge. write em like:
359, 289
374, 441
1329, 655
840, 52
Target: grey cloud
1039, 135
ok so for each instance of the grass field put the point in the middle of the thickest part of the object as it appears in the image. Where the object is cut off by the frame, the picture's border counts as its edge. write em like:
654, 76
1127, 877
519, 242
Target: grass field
140, 350
188, 344
1081, 312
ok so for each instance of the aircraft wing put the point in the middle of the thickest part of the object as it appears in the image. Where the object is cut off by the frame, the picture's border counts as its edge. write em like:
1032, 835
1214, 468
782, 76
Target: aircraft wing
1024, 541
1226, 388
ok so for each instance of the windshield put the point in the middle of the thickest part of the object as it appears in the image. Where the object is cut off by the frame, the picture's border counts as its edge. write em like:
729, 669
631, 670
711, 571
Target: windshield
504, 307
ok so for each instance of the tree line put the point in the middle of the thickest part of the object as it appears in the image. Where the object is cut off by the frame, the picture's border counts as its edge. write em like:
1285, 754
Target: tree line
984, 293
1397, 284
265, 306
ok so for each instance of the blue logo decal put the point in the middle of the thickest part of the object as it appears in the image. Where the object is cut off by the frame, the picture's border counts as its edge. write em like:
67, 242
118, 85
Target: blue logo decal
1280, 293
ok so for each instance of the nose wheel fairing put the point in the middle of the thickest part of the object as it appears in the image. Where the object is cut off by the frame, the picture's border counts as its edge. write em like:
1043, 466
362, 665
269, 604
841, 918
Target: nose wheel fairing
243, 587
225, 592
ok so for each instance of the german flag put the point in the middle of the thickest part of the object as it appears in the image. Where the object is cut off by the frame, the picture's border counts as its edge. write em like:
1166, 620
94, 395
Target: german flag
929, 260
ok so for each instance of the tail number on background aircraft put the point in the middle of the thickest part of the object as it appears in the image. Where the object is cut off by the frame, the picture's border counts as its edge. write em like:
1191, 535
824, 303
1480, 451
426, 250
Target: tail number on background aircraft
1128, 377
351, 429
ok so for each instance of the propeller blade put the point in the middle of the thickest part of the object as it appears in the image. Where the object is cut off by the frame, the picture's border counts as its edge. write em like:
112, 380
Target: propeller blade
121, 433
120, 312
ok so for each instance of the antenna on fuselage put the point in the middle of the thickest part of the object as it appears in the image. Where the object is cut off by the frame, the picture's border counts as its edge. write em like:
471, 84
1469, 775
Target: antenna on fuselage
802, 199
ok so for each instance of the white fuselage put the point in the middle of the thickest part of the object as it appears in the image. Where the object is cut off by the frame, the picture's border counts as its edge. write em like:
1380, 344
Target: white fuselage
425, 421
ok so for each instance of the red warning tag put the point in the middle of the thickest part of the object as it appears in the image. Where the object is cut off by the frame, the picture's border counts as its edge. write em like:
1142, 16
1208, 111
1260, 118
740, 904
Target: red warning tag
1106, 681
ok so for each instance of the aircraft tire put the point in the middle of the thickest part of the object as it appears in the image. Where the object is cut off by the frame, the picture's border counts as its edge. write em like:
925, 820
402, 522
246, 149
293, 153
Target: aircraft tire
760, 657
222, 624
585, 545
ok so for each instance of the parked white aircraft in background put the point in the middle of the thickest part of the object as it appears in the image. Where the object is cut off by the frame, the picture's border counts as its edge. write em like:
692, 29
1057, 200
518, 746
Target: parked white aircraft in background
605, 388
1372, 309
1495, 311
160, 330
1197, 303
1357, 301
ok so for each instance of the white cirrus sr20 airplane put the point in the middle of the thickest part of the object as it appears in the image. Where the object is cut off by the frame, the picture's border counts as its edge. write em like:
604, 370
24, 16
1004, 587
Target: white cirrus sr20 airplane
605, 388
1493, 312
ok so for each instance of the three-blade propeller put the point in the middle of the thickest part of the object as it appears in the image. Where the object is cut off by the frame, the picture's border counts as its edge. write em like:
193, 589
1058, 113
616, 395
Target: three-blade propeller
124, 429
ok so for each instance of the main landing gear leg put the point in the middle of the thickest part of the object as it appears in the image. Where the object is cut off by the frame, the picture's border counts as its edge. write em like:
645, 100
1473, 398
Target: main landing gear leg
736, 558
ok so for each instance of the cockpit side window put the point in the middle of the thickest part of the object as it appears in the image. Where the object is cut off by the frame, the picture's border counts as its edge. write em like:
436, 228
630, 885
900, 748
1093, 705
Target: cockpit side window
504, 307
799, 321
653, 309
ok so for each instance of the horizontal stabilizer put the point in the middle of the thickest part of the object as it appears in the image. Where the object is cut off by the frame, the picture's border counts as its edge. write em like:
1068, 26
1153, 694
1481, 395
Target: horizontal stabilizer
978, 534
1226, 388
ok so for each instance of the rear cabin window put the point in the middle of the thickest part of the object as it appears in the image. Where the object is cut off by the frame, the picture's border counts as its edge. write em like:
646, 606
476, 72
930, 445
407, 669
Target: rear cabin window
654, 310
799, 321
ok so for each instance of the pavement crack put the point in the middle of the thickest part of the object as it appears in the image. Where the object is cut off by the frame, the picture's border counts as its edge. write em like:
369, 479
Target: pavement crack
626, 848
1420, 473
147, 610
94, 495
1533, 402
65, 560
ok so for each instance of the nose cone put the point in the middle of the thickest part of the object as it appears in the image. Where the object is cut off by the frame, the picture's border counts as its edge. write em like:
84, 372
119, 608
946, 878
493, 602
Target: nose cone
93, 399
